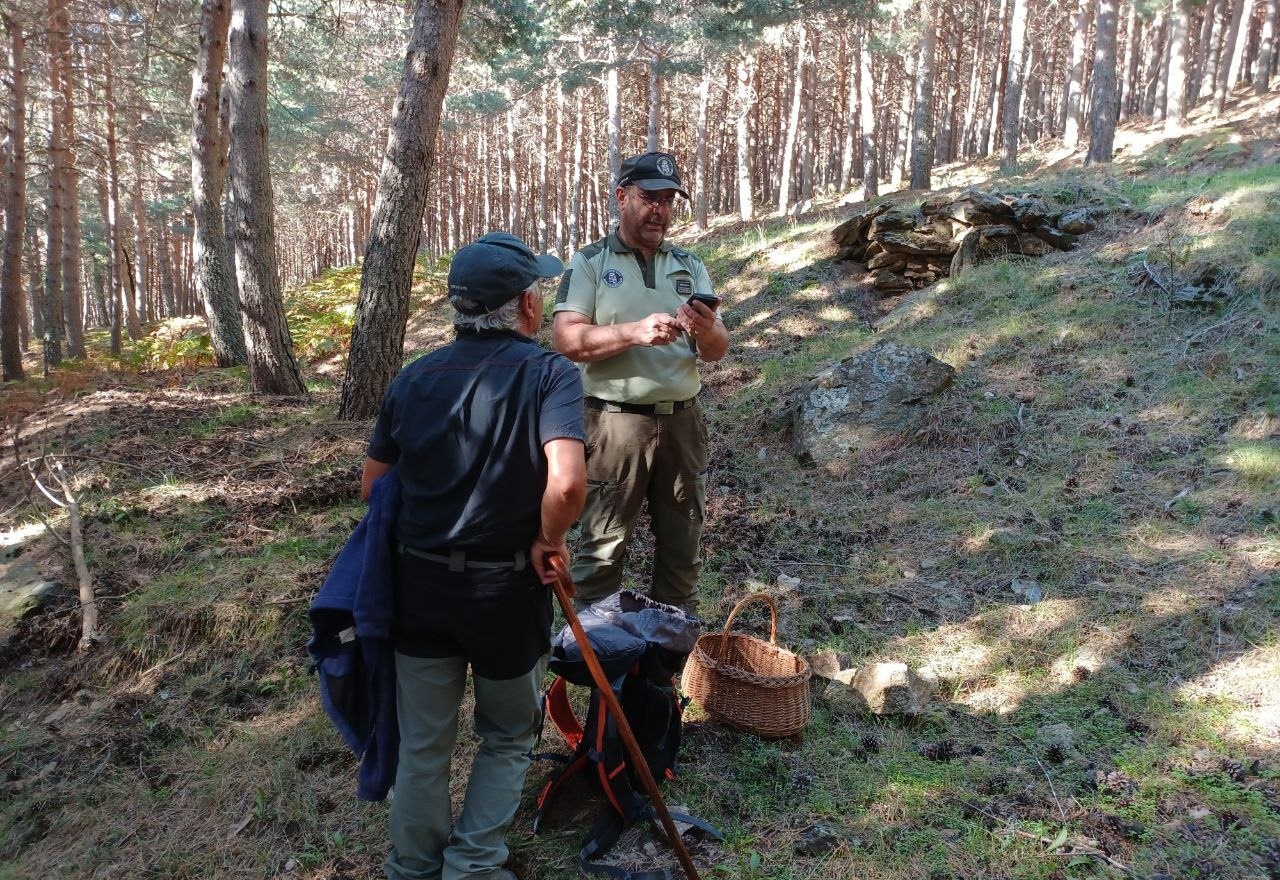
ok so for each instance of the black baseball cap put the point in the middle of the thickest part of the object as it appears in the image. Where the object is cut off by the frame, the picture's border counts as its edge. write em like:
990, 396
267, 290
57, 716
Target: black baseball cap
651, 171
496, 268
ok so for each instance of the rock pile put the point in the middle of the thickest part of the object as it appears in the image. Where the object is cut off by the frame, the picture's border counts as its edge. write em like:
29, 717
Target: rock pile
947, 234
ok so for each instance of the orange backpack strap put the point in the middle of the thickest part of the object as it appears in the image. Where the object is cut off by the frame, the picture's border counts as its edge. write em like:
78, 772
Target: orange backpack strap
561, 713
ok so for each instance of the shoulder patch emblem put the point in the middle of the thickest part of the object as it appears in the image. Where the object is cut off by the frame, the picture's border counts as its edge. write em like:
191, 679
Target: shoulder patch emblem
612, 277
665, 166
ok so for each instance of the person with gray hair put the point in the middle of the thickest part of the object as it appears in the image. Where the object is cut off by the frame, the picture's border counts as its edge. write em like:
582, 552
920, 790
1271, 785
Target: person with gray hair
487, 436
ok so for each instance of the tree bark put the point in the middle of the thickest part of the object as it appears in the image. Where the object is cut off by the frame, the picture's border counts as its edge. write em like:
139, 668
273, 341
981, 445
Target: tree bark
55, 213
700, 151
1013, 85
72, 284
867, 112
614, 124
15, 206
1073, 112
1102, 110
746, 98
273, 369
1232, 55
1127, 82
1177, 80
113, 191
377, 340
652, 138
1155, 63
793, 124
1266, 48
922, 120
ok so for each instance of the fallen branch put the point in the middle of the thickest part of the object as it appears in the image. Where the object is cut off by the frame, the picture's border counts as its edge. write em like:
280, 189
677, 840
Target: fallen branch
68, 499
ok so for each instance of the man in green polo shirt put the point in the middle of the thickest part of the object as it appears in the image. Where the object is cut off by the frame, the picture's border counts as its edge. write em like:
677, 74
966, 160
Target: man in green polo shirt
623, 314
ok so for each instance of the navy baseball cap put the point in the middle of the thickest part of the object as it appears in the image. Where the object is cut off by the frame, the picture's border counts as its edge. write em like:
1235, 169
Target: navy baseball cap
651, 171
496, 268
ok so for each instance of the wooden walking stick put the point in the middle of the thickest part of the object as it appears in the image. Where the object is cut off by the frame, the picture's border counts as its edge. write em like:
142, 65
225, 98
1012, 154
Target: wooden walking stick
564, 589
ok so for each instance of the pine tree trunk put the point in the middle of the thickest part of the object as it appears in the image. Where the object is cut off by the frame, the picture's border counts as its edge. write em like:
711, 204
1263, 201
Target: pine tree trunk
867, 121
113, 191
1203, 54
922, 118
1232, 55
1013, 85
212, 279
141, 263
55, 213
700, 214
793, 125
614, 109
808, 126
1127, 84
1177, 80
1155, 61
72, 285
992, 104
1102, 104
1266, 48
377, 340
35, 282
746, 98
652, 138
12, 321
273, 369
1073, 112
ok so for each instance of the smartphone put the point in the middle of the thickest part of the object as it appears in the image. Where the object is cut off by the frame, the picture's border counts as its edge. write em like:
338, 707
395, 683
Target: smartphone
708, 300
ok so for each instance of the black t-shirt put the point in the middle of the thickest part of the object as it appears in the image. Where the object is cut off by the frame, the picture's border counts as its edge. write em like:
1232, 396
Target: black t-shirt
466, 425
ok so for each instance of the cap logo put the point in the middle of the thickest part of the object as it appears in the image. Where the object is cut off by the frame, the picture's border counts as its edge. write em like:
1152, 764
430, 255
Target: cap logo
666, 166
612, 277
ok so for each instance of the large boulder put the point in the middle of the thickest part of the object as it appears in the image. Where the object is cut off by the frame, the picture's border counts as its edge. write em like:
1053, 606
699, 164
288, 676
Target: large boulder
893, 689
914, 244
893, 221
1077, 222
23, 591
888, 281
1031, 212
860, 398
854, 230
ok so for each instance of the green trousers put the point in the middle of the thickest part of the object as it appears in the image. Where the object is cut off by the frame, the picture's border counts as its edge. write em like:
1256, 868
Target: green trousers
632, 458
507, 714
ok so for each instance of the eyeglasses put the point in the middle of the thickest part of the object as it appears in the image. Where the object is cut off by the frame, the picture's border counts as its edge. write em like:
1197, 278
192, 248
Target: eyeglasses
654, 201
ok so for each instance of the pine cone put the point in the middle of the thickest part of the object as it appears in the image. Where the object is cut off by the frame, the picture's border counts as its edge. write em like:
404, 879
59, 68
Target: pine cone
1233, 768
1055, 754
871, 744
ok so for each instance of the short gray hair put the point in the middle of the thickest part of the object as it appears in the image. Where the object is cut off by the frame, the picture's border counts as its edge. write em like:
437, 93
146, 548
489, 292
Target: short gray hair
504, 317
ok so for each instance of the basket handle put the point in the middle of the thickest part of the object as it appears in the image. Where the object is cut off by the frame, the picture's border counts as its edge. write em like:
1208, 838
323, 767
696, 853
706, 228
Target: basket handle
773, 622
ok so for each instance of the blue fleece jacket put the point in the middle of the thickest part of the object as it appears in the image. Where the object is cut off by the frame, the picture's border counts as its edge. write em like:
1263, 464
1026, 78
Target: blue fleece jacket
351, 642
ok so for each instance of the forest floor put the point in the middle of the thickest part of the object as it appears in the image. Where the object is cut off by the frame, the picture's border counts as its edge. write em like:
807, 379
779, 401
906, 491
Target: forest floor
1119, 449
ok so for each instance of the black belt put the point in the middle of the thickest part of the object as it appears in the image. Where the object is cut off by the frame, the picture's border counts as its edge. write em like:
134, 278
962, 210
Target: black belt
662, 408
457, 560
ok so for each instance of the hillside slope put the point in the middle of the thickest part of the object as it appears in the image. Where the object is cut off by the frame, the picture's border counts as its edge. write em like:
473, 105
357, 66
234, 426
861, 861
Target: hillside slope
1119, 449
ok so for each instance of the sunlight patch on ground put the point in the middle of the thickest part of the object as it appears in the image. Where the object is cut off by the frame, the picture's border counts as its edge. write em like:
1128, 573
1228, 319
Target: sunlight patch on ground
791, 257
759, 318
1258, 464
174, 491
1001, 693
835, 313
1250, 680
955, 651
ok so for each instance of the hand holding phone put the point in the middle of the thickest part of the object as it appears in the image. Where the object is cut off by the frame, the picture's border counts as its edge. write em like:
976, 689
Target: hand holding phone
709, 300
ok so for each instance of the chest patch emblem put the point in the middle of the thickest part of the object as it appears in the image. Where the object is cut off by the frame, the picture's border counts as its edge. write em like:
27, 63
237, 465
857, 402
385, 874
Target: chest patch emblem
684, 287
612, 277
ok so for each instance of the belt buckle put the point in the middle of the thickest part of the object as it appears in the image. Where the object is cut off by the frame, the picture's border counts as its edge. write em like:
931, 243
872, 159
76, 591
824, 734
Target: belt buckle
664, 407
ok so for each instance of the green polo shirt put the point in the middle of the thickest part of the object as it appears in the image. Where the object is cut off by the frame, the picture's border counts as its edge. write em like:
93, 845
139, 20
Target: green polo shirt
612, 284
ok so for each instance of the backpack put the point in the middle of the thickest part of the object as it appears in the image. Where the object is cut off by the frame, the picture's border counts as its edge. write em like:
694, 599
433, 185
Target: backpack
642, 645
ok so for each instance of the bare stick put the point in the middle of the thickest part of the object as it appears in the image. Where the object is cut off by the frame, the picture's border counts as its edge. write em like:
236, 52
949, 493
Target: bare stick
88, 601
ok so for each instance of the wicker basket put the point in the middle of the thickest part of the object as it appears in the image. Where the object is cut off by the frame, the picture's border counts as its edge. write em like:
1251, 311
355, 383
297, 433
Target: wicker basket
747, 682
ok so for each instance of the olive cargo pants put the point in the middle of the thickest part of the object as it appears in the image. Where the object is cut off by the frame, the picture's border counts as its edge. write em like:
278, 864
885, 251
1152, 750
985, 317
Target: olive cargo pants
632, 457
508, 715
